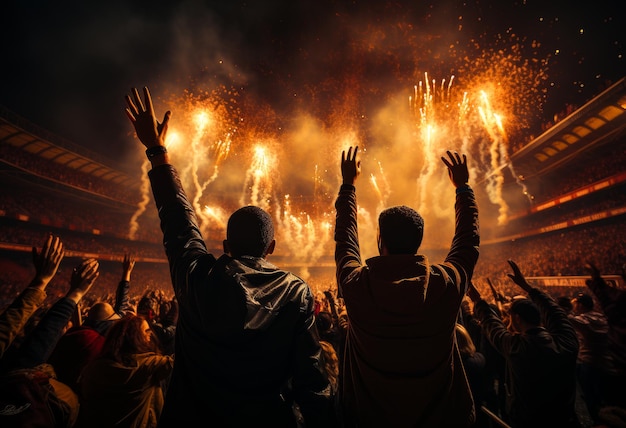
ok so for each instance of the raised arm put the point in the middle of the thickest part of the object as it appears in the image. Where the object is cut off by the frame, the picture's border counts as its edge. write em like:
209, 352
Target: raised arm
350, 167
46, 263
463, 252
347, 252
150, 132
122, 300
40, 343
182, 238
553, 316
518, 278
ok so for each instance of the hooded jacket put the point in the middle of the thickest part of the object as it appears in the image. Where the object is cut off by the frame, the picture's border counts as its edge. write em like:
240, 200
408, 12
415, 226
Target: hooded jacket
246, 347
401, 365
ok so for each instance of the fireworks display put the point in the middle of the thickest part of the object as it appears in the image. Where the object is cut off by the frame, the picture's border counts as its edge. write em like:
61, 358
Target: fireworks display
266, 95
229, 158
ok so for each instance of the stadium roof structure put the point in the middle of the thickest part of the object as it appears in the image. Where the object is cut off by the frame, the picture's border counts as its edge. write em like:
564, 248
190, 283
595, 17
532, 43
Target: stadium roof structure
20, 133
597, 123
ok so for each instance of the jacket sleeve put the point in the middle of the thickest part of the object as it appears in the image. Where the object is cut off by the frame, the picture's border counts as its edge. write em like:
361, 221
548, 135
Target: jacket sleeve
493, 327
555, 321
40, 343
13, 319
182, 239
463, 253
122, 300
347, 251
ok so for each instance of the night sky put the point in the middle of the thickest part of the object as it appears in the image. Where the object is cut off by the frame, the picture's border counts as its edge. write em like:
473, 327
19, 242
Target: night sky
67, 65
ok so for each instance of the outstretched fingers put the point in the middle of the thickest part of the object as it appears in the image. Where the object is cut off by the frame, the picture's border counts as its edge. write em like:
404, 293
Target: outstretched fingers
148, 100
455, 159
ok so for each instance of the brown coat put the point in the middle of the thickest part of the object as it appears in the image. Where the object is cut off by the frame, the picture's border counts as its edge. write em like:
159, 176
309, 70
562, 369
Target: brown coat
401, 365
114, 394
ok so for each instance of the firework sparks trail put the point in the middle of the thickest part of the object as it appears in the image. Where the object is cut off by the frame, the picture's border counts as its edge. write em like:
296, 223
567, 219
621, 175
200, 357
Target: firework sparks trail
449, 114
492, 124
217, 214
258, 183
383, 189
198, 152
145, 199
429, 127
306, 240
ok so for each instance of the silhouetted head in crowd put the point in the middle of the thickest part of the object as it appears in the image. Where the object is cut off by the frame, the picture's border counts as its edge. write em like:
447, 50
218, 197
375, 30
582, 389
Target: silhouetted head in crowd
400, 231
101, 316
128, 336
524, 314
582, 303
148, 307
323, 321
250, 232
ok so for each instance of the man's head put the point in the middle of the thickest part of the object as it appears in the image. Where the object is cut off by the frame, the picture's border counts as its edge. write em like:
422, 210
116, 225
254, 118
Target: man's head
400, 230
250, 232
524, 314
148, 308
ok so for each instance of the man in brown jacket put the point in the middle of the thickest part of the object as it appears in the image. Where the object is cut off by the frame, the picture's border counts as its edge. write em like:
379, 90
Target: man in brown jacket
401, 365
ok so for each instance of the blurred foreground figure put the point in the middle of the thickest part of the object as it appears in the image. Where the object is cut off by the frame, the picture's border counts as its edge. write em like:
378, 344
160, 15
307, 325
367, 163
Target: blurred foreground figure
30, 394
540, 349
402, 367
246, 347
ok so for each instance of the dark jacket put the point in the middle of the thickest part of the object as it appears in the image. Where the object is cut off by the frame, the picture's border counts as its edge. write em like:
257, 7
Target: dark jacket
14, 318
401, 365
540, 364
245, 331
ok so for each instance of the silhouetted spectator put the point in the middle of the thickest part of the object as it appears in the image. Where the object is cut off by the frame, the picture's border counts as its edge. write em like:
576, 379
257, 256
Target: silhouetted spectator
540, 354
30, 394
475, 366
123, 386
246, 342
401, 363
612, 300
82, 343
14, 318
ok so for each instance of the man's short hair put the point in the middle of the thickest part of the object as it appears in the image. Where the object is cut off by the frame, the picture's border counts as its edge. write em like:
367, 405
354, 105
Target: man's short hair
401, 229
527, 311
249, 232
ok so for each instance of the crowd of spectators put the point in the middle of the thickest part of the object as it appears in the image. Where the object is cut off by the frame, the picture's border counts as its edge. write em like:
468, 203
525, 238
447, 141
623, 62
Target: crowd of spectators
565, 252
54, 171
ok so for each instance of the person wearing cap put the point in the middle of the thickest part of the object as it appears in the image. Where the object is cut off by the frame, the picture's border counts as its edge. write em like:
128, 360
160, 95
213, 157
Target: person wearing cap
540, 349
82, 343
594, 364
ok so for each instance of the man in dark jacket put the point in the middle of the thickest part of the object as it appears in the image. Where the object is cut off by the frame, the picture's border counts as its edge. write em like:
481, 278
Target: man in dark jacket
246, 343
401, 364
540, 354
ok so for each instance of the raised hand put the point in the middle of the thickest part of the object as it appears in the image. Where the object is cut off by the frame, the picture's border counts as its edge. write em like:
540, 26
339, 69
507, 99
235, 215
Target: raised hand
127, 267
457, 168
141, 114
47, 261
83, 277
593, 270
518, 277
350, 167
